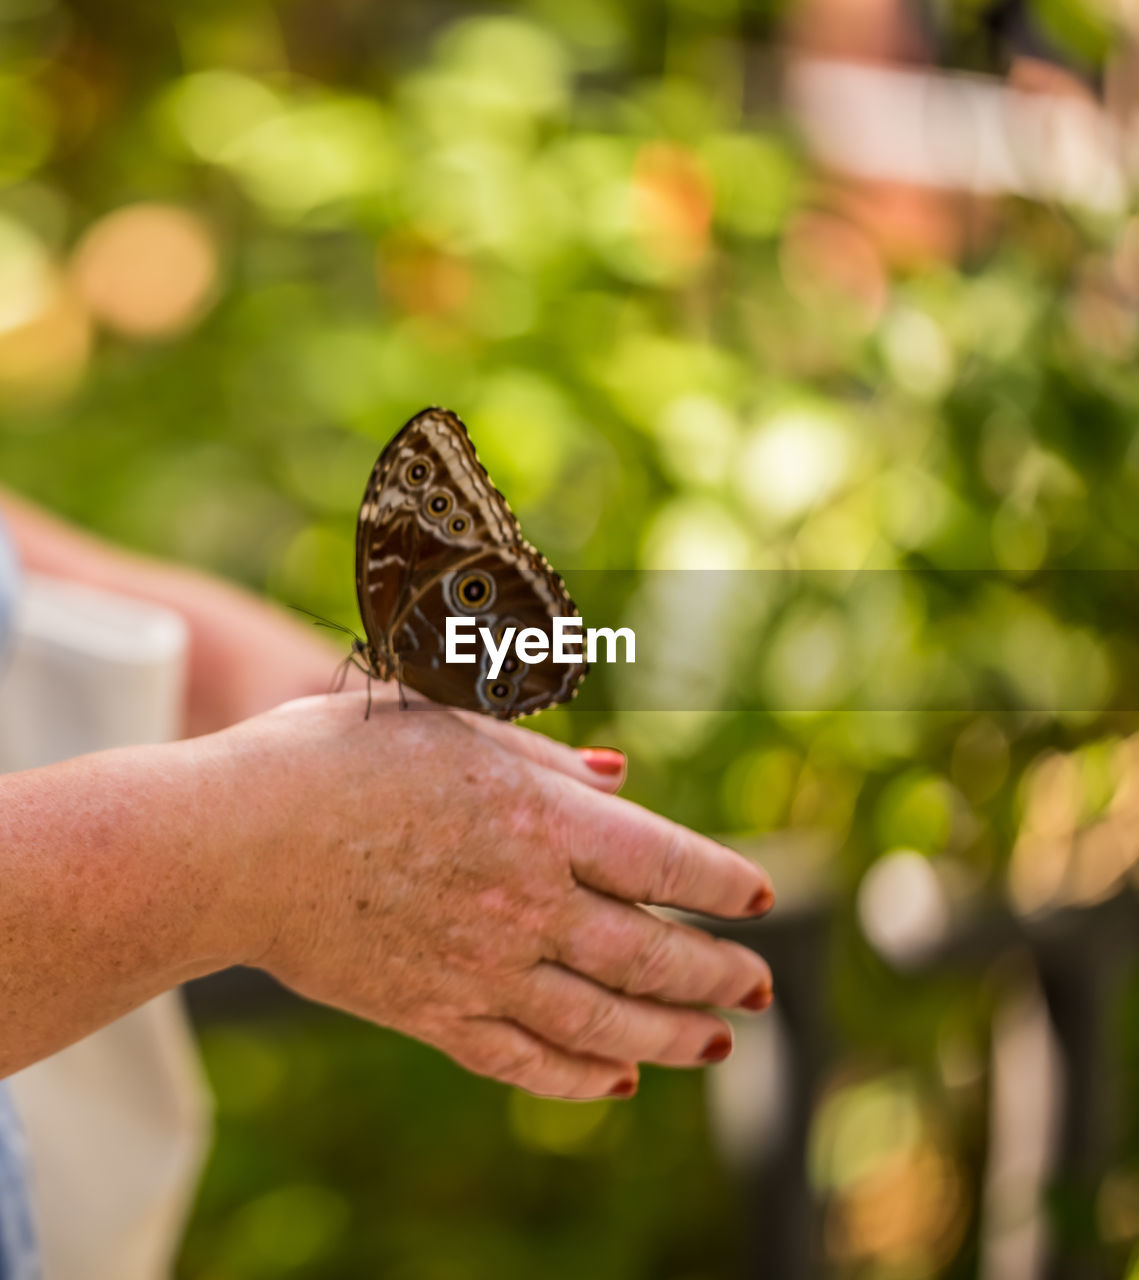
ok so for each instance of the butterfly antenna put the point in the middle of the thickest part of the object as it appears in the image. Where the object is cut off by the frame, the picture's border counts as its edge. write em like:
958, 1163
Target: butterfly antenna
327, 622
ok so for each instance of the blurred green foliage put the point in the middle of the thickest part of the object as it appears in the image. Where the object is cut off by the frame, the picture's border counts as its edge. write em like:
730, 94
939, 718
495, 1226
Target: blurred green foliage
348, 1152
581, 227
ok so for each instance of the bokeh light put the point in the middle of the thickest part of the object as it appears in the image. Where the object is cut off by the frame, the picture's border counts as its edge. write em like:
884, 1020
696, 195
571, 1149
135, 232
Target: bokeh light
147, 270
837, 304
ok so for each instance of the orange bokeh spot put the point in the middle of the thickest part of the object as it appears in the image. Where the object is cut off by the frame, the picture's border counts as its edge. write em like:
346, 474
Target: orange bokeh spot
422, 278
673, 202
147, 270
45, 356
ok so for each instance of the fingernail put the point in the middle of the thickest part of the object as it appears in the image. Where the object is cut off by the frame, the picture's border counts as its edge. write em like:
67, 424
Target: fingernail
717, 1049
605, 760
623, 1089
762, 901
758, 999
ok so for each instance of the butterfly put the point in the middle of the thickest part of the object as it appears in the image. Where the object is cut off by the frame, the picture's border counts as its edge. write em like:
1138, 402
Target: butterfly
435, 538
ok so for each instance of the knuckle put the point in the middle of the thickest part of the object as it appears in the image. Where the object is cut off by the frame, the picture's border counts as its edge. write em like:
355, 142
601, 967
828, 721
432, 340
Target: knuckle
569, 937
515, 1062
479, 1056
556, 823
652, 967
593, 1023
672, 869
534, 812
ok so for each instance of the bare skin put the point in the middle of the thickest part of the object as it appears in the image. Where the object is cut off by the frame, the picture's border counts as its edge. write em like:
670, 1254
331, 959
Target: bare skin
465, 882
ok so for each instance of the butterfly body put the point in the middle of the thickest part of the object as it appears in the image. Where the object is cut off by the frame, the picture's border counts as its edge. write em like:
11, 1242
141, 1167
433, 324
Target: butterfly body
434, 539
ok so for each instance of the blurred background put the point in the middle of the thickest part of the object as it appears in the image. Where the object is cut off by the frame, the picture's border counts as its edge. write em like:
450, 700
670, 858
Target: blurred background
843, 285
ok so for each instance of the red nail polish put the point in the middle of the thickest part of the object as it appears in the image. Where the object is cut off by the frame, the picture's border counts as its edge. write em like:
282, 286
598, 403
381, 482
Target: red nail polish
758, 999
623, 1089
603, 760
762, 901
717, 1049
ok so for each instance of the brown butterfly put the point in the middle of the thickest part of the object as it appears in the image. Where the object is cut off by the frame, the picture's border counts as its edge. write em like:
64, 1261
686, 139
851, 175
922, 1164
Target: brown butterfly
436, 538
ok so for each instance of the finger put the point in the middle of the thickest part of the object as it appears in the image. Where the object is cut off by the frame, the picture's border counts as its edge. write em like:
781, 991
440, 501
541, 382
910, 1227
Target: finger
602, 768
505, 1051
631, 950
630, 853
584, 1017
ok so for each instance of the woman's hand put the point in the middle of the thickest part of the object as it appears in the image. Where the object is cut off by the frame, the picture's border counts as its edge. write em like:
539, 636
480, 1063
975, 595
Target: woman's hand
463, 881
470, 883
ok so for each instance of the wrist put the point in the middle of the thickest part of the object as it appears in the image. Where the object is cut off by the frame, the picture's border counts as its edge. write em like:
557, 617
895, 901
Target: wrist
240, 817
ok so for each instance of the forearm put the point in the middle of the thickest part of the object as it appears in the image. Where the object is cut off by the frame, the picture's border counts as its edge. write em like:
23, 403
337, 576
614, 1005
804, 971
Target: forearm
52, 546
121, 876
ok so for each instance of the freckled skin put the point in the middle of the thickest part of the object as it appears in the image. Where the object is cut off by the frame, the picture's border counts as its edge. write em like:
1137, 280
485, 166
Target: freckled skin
485, 920
461, 880
486, 910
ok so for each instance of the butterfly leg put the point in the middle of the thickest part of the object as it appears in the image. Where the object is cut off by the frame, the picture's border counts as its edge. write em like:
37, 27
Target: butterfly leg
341, 675
354, 660
402, 696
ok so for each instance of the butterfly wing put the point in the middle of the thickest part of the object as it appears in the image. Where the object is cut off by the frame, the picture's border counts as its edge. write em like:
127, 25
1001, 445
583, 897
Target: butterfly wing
436, 538
387, 541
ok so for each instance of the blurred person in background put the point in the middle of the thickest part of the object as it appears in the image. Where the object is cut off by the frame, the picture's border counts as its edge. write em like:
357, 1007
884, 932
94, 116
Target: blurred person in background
878, 213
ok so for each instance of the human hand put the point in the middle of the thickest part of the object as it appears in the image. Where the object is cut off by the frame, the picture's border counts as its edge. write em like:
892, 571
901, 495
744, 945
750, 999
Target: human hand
470, 883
